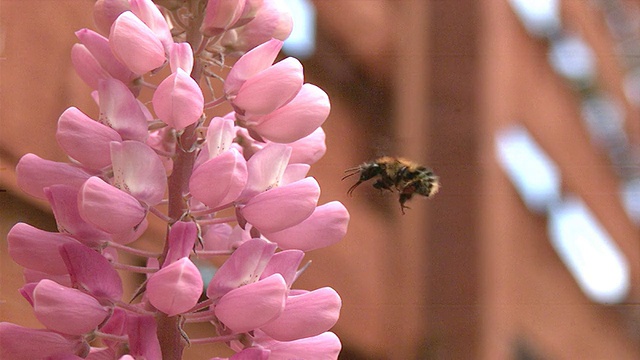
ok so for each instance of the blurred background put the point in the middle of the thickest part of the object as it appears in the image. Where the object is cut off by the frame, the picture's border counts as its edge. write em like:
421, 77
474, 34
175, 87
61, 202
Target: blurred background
528, 112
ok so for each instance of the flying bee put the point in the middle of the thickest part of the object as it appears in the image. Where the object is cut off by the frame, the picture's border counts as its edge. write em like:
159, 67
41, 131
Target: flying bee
406, 177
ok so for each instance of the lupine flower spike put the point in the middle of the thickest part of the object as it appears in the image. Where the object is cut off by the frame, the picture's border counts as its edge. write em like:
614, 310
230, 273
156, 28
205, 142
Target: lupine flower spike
233, 186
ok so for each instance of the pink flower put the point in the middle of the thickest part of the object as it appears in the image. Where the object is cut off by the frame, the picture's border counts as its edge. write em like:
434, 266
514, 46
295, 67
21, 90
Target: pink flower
20, 343
175, 288
64, 203
181, 57
94, 60
272, 20
309, 149
298, 118
135, 44
91, 272
253, 305
66, 310
228, 171
74, 128
326, 226
34, 174
121, 111
221, 15
266, 169
269, 89
178, 100
222, 185
251, 64
282, 207
143, 341
306, 315
244, 267
320, 347
138, 170
105, 13
182, 238
149, 13
37, 249
109, 209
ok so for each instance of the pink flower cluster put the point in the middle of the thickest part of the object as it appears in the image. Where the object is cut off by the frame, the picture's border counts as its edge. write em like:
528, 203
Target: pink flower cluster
231, 187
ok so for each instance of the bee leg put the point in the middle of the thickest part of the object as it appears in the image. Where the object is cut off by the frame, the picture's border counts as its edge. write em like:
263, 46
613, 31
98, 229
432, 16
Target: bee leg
380, 184
404, 197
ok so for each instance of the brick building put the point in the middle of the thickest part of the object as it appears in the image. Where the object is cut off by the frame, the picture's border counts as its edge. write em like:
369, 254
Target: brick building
529, 115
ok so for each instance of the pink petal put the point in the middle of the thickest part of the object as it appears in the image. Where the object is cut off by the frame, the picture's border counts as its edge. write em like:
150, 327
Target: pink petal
306, 315
34, 174
220, 135
149, 13
178, 100
243, 267
138, 170
265, 169
253, 305
34, 276
322, 347
282, 207
98, 45
105, 12
20, 343
298, 118
108, 208
309, 149
74, 128
182, 238
120, 110
272, 20
143, 341
270, 89
220, 180
64, 204
250, 354
250, 64
176, 288
216, 237
181, 57
91, 272
284, 263
135, 45
326, 226
221, 15
37, 249
66, 310
115, 325
131, 235
295, 172
87, 66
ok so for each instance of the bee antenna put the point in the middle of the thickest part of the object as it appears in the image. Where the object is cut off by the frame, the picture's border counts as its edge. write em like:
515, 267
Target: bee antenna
351, 172
350, 191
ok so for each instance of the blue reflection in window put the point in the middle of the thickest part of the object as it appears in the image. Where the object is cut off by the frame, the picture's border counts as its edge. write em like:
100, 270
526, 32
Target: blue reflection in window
302, 41
533, 173
592, 257
573, 59
631, 199
540, 17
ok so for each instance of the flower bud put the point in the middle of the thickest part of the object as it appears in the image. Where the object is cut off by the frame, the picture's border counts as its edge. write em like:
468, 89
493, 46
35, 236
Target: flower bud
66, 310
253, 305
176, 288
282, 207
135, 45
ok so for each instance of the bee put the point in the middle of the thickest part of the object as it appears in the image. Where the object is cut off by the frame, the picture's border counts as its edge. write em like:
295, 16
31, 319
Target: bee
406, 177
